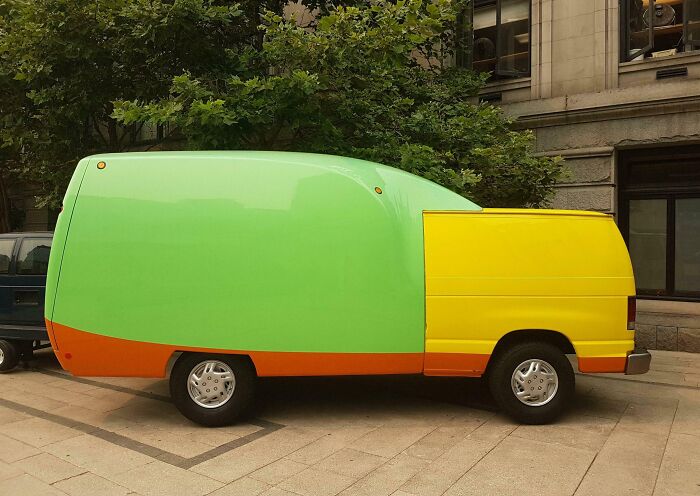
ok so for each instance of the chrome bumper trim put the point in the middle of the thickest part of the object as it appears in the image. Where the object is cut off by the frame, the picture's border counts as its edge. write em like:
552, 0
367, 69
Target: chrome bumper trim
638, 362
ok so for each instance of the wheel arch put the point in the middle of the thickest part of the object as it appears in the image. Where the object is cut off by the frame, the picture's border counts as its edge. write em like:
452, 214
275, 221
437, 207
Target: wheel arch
175, 356
549, 336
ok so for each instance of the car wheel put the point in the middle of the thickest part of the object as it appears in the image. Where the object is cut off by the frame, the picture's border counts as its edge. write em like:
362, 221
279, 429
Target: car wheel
9, 355
532, 382
212, 390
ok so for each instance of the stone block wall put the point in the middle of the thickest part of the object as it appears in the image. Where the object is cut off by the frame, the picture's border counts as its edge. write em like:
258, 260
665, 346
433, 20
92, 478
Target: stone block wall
669, 331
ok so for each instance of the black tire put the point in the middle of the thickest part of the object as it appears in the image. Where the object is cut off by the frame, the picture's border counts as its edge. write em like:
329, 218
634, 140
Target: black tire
228, 412
501, 372
9, 358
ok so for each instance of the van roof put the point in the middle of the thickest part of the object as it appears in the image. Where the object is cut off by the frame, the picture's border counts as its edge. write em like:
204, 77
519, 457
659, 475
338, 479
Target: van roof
276, 156
362, 170
26, 234
352, 165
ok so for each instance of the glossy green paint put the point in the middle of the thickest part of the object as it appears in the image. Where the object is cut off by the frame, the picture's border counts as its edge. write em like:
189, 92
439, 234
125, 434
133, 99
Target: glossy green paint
60, 233
267, 251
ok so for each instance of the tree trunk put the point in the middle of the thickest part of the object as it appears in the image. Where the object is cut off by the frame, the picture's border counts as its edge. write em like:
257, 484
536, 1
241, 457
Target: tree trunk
113, 136
4, 207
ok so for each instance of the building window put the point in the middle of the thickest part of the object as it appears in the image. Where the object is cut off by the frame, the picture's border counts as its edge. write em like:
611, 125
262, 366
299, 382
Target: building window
499, 42
660, 220
659, 27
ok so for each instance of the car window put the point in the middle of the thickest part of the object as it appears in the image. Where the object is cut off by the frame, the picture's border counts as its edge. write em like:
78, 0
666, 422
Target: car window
6, 246
33, 256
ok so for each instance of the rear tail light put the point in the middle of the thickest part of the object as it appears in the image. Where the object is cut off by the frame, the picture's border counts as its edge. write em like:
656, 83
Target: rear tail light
631, 312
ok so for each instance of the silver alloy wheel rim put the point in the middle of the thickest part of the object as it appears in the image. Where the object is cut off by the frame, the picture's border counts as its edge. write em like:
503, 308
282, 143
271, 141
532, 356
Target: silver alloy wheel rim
2, 357
534, 382
211, 383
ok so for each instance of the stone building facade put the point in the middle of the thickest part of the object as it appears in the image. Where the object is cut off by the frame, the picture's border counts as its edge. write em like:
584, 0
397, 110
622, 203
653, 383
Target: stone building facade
613, 86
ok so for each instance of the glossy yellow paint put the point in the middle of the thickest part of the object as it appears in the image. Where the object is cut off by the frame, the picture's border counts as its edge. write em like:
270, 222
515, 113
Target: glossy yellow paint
495, 271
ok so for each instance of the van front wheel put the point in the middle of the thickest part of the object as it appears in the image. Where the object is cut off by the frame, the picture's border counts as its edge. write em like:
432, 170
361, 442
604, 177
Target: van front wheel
532, 382
212, 390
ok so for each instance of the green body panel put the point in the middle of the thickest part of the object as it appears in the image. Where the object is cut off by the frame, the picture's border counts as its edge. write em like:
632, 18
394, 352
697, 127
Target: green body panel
60, 234
265, 251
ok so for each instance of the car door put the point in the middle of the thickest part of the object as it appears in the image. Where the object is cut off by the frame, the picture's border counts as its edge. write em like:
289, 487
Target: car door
30, 280
7, 248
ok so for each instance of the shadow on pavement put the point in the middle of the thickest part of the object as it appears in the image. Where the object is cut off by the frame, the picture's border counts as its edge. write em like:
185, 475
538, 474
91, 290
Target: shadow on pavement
347, 393
369, 393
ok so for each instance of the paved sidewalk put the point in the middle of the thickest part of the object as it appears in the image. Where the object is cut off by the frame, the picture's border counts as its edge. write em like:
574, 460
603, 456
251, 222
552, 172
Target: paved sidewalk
635, 435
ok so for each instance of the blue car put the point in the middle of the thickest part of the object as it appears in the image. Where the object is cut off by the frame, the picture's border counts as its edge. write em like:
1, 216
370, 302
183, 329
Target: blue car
24, 258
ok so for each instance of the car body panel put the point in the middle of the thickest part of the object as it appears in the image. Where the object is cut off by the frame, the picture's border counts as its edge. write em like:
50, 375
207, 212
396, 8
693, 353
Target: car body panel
22, 287
561, 271
256, 251
9, 245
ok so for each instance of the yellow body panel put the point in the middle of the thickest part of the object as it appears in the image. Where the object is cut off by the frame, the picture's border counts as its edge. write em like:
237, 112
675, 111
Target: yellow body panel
492, 272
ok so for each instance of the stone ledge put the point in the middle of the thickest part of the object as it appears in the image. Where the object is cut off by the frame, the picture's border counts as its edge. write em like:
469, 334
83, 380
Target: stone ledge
668, 307
689, 339
590, 152
505, 85
668, 319
612, 98
679, 59
668, 338
645, 337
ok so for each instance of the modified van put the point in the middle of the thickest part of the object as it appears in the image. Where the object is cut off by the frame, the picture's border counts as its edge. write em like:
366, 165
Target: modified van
220, 267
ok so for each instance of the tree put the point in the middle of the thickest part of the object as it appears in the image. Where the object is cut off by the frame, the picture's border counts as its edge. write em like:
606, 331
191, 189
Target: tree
63, 63
374, 82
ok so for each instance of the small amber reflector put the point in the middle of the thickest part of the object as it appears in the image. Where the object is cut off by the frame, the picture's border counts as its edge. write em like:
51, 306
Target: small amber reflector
101, 165
378, 190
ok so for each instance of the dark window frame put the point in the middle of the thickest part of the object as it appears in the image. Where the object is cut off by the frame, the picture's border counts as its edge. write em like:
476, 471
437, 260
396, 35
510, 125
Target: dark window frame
670, 193
692, 44
467, 60
13, 255
625, 54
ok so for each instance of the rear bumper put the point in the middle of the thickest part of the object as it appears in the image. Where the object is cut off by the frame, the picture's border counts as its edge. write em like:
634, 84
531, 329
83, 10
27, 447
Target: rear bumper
638, 362
23, 333
630, 362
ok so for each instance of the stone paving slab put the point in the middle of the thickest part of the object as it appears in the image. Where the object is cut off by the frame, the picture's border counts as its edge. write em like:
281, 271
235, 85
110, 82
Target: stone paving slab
402, 436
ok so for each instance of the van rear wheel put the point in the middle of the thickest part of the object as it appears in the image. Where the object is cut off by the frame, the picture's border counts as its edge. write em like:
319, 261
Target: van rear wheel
212, 390
9, 355
532, 382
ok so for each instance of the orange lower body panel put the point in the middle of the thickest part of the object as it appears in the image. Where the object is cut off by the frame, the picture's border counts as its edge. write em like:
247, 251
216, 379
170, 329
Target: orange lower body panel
602, 364
455, 364
89, 354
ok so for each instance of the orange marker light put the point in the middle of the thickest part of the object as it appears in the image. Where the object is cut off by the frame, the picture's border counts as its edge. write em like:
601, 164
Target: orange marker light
378, 190
101, 165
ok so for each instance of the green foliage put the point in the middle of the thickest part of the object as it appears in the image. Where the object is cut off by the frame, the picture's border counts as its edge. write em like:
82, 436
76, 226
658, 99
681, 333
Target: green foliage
373, 82
63, 63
